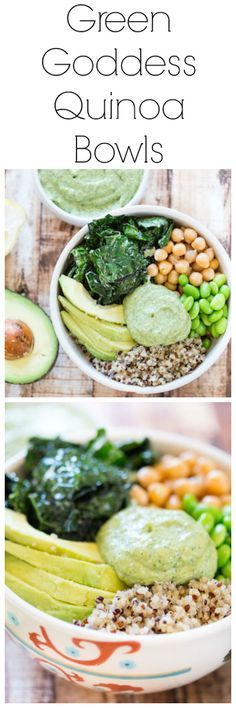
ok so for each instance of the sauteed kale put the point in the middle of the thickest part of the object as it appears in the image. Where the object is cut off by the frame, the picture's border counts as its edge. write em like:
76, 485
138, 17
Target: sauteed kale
70, 489
113, 259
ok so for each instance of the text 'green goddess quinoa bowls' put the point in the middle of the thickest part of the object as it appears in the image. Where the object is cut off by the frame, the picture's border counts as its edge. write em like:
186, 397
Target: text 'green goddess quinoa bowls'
119, 662
79, 195
194, 327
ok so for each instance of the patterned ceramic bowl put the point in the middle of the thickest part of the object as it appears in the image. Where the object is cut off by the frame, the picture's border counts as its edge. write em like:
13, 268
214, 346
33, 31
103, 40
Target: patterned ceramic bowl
119, 662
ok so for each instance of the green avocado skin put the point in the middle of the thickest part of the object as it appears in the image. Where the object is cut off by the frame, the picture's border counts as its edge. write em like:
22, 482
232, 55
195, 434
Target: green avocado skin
147, 545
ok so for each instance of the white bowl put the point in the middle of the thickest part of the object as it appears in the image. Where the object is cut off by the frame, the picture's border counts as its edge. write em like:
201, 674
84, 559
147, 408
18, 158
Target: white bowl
76, 354
119, 662
75, 219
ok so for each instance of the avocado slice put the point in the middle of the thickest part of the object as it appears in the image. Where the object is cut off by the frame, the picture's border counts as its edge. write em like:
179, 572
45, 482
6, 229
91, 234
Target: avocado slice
18, 529
80, 297
96, 575
59, 588
110, 330
39, 352
44, 602
88, 341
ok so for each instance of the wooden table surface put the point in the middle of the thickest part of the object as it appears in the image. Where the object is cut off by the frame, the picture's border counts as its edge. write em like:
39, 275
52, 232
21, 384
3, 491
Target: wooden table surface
210, 422
204, 194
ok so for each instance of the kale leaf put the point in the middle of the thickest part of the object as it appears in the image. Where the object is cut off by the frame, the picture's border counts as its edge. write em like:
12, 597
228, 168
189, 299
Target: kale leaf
70, 489
113, 259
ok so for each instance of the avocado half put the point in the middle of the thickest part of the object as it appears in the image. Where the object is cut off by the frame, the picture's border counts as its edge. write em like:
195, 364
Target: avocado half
36, 362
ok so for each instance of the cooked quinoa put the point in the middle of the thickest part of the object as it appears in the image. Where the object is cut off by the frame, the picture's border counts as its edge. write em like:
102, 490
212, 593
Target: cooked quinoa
153, 366
161, 609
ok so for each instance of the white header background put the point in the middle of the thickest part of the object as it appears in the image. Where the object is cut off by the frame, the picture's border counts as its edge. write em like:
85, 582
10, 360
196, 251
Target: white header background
34, 136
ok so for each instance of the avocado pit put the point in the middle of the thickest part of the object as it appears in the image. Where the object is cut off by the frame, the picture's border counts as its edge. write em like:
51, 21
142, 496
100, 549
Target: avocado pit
19, 339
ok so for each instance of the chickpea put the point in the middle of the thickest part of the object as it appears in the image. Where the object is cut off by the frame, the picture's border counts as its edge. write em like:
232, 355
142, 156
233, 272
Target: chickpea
191, 485
214, 263
189, 459
202, 260
177, 235
159, 467
152, 270
173, 502
169, 247
208, 274
147, 475
217, 482
203, 465
160, 254
174, 467
139, 495
212, 500
190, 255
182, 267
172, 259
199, 243
195, 279
160, 279
179, 249
190, 235
171, 286
165, 267
173, 277
210, 253
159, 493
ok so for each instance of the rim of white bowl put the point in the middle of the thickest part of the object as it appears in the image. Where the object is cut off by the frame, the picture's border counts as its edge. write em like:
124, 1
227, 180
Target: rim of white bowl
73, 350
159, 438
74, 219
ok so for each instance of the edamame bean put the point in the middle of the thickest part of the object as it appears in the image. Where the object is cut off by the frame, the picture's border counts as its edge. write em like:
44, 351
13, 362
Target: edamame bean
220, 577
205, 290
218, 535
217, 315
207, 521
218, 302
228, 539
183, 279
227, 570
205, 320
223, 555
188, 303
214, 332
195, 323
194, 312
183, 298
225, 290
201, 329
220, 279
200, 507
205, 306
226, 511
189, 503
206, 343
191, 290
193, 334
225, 311
214, 288
221, 326
227, 521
